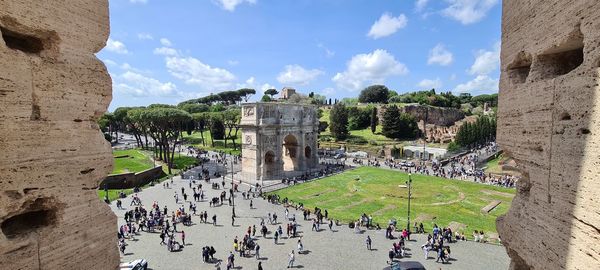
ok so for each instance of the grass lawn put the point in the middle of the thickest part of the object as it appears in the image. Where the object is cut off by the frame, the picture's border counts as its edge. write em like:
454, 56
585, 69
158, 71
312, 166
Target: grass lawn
136, 161
140, 160
492, 166
196, 140
379, 193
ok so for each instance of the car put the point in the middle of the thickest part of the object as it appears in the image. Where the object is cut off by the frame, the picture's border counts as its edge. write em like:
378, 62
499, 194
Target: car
338, 156
139, 264
405, 265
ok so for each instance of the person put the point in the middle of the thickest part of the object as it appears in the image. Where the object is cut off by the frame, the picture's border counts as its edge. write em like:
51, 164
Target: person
291, 259
368, 241
260, 266
440, 254
250, 204
300, 246
257, 251
331, 224
276, 236
426, 249
122, 246
183, 237
230, 260
162, 238
214, 219
391, 255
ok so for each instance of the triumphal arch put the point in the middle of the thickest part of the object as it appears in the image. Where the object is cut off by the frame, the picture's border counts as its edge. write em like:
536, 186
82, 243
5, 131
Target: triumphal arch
279, 140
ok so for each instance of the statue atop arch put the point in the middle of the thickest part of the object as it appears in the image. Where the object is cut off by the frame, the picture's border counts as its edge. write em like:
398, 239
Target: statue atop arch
279, 140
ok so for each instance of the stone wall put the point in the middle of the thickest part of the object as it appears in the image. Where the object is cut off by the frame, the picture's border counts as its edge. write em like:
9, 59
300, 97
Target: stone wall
131, 180
52, 91
434, 115
549, 122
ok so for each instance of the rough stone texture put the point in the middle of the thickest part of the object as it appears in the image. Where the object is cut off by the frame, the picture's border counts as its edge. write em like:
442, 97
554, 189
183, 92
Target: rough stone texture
52, 91
278, 140
444, 134
549, 123
433, 115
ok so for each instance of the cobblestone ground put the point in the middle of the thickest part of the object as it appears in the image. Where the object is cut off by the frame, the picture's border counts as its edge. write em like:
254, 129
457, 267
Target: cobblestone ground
337, 249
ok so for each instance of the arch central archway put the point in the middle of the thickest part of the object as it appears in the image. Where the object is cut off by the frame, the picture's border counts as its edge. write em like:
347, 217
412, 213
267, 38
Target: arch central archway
290, 153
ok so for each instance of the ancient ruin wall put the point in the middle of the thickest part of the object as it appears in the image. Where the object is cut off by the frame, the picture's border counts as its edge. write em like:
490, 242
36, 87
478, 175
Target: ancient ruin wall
52, 91
548, 121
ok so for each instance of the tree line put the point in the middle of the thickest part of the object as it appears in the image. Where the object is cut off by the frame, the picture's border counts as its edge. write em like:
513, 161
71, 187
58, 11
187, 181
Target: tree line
479, 132
164, 126
395, 124
225, 97
381, 94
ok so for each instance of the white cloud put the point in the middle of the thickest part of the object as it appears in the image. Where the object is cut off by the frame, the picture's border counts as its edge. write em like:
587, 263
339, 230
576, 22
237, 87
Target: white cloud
486, 61
327, 91
480, 84
372, 67
230, 5
109, 62
328, 53
194, 72
233, 62
440, 56
145, 36
116, 46
428, 84
166, 51
250, 81
166, 42
137, 85
126, 66
293, 75
387, 25
266, 87
468, 11
420, 4
138, 1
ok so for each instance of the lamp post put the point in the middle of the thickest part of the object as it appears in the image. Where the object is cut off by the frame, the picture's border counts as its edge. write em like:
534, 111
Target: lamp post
408, 183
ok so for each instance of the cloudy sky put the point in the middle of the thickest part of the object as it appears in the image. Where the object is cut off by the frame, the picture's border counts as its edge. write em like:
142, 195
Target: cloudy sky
167, 51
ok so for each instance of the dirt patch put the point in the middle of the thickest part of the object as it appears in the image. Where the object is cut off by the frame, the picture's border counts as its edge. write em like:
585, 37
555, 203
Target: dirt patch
424, 217
353, 204
457, 226
310, 196
499, 193
461, 197
388, 207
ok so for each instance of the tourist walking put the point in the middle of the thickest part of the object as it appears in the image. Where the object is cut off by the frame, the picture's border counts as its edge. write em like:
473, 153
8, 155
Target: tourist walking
291, 259
300, 246
257, 251
368, 241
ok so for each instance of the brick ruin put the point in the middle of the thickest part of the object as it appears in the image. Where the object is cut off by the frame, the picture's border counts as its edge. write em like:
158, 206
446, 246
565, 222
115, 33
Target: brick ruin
548, 120
52, 91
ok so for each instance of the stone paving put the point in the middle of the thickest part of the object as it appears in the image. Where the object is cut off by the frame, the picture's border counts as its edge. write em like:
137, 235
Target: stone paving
337, 249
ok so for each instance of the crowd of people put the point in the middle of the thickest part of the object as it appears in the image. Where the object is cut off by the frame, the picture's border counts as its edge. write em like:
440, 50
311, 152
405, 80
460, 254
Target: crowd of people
156, 219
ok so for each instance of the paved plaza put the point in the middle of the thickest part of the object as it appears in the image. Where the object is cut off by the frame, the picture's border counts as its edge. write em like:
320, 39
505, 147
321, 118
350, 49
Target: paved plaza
337, 249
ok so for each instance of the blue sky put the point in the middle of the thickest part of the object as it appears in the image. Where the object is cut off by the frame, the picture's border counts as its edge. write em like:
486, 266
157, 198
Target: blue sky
167, 51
